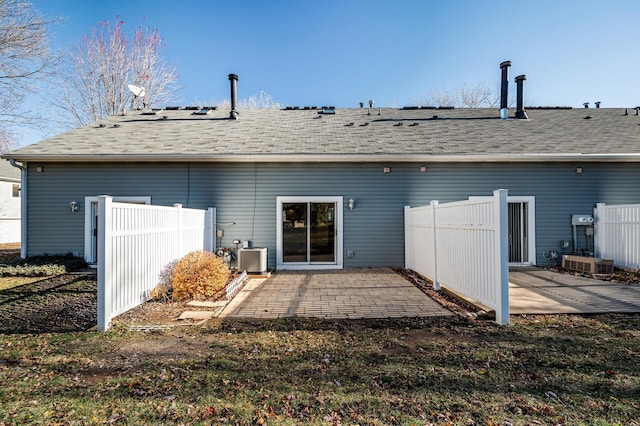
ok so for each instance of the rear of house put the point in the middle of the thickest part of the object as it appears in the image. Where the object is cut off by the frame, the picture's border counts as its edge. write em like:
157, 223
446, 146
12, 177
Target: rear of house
326, 187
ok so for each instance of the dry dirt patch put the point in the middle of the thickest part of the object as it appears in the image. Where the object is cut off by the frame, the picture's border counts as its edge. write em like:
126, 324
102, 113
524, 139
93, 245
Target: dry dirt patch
9, 251
157, 313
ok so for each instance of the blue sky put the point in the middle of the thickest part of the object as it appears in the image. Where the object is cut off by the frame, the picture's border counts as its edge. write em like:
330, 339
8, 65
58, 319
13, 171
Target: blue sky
342, 52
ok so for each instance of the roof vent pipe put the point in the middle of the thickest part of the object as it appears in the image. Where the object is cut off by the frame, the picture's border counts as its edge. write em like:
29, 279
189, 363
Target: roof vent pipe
233, 78
598, 104
504, 90
520, 112
586, 104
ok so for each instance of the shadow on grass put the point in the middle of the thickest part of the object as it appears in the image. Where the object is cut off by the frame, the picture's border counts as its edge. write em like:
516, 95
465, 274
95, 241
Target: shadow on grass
408, 370
59, 304
566, 354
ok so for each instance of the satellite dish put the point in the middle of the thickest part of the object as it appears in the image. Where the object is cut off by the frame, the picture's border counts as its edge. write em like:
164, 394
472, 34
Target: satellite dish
138, 92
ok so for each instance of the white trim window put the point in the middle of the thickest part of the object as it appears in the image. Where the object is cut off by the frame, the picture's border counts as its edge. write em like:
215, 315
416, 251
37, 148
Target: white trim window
309, 232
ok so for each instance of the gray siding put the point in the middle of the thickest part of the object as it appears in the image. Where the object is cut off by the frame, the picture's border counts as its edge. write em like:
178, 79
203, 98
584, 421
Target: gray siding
373, 230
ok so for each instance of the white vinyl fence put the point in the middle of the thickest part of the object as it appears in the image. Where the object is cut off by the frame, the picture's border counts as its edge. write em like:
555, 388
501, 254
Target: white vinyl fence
464, 247
135, 242
617, 234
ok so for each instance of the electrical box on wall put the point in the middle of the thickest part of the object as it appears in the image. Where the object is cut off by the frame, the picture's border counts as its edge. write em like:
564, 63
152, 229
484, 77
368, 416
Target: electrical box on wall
581, 219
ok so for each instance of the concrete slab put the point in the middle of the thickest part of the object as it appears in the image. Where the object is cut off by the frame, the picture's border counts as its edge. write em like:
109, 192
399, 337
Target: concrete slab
197, 315
205, 304
348, 293
541, 291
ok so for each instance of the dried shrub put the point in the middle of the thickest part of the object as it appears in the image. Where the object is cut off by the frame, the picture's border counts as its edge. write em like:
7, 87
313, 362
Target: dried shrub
199, 275
165, 282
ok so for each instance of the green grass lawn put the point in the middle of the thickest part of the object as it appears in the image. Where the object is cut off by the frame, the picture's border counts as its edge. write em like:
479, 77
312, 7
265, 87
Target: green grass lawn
540, 370
10, 282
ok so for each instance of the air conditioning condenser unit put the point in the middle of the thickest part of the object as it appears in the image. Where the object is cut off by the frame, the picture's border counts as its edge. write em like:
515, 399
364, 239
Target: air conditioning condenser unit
252, 260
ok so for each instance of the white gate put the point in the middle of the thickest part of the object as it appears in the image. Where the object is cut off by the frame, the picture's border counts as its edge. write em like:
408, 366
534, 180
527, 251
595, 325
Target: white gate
136, 241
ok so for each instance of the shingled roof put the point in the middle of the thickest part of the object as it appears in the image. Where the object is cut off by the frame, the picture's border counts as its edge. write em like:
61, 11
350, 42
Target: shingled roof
351, 134
8, 172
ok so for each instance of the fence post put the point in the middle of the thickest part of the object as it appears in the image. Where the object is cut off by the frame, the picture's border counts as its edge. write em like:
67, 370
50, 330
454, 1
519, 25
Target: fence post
105, 262
500, 197
436, 280
598, 231
408, 255
179, 227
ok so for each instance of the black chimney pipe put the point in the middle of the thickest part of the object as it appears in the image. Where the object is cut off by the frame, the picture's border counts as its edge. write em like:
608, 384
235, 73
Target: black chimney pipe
233, 78
520, 112
598, 104
504, 90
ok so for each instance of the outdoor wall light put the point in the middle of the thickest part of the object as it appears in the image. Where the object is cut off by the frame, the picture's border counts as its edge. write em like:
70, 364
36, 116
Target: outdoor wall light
351, 204
386, 170
74, 206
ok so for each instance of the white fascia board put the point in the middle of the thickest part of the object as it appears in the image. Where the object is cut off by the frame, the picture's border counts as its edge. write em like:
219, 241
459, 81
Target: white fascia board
334, 158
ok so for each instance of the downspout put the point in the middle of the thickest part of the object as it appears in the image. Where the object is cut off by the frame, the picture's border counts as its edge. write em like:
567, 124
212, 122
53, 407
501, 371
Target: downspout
23, 207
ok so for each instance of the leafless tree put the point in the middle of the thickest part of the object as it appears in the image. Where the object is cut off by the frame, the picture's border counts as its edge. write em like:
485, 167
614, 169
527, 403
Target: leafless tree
480, 96
440, 98
26, 62
260, 100
105, 62
477, 97
6, 143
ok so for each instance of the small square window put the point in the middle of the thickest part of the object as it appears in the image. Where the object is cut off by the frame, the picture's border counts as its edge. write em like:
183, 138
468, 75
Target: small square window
15, 190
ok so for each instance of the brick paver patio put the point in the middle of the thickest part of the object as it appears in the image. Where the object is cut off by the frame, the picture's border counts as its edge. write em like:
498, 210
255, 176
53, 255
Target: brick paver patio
348, 293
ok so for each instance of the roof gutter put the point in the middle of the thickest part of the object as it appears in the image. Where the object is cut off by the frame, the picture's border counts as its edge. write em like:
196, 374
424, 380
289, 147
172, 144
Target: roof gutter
23, 206
334, 158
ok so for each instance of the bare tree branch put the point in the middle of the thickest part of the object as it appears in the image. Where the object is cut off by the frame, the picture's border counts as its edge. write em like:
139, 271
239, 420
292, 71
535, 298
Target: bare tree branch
480, 96
26, 63
105, 62
260, 100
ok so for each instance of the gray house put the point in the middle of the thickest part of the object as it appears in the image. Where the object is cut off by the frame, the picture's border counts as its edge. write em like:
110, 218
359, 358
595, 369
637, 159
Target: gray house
325, 187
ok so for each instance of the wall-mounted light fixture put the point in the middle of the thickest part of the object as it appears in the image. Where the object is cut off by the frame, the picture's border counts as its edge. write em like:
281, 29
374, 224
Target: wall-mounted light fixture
423, 169
39, 169
351, 204
579, 170
74, 206
386, 170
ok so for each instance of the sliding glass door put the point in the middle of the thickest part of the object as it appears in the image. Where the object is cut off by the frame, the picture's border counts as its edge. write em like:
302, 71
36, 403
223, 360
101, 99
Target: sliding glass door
308, 232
